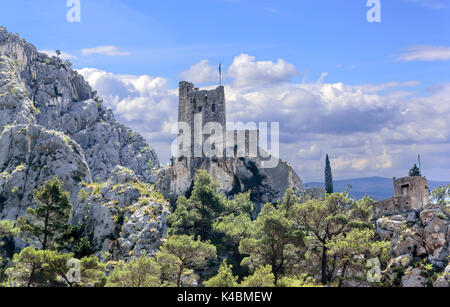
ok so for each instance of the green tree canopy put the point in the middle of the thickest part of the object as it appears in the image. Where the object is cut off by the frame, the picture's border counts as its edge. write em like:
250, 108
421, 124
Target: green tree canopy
325, 219
348, 248
45, 268
194, 216
224, 279
441, 195
230, 231
140, 273
262, 278
274, 241
49, 220
415, 171
184, 252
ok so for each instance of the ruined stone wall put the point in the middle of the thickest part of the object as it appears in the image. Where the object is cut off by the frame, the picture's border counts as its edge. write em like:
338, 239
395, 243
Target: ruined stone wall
208, 106
410, 193
414, 187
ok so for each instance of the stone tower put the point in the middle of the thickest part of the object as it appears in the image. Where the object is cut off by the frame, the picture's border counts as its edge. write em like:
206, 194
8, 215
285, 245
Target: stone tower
207, 105
410, 193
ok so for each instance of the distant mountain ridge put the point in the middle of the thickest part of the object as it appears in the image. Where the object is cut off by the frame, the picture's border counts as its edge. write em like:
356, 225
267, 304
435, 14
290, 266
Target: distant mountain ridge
378, 188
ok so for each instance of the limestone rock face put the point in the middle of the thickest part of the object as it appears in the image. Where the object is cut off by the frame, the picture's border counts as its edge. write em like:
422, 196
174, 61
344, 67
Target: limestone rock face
53, 124
29, 156
418, 238
443, 281
414, 279
235, 175
37, 89
127, 218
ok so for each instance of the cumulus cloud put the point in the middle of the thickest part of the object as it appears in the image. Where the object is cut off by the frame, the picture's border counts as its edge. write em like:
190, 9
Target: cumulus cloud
368, 129
431, 4
105, 50
202, 72
312, 153
426, 53
246, 71
144, 103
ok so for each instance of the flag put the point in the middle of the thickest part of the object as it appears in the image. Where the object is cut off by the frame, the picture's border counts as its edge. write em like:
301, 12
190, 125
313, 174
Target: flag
220, 73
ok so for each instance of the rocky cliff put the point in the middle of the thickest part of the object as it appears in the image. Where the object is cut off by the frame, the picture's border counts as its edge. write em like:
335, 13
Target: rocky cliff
53, 124
37, 89
235, 175
420, 247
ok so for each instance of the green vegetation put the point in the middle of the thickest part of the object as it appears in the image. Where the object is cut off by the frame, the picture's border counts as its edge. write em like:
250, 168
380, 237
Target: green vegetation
273, 241
415, 171
213, 240
45, 268
224, 278
328, 176
323, 220
143, 272
49, 220
180, 253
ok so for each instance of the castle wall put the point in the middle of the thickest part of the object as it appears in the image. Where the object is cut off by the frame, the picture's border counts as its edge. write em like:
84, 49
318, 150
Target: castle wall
207, 106
242, 143
414, 187
410, 193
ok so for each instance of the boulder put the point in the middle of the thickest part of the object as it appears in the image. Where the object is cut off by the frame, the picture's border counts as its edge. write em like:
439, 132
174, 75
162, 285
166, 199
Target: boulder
414, 278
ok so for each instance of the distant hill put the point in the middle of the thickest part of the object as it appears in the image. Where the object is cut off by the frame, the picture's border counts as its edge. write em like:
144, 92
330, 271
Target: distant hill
377, 187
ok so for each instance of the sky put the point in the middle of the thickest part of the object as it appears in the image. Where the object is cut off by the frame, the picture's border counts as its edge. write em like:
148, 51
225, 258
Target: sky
371, 95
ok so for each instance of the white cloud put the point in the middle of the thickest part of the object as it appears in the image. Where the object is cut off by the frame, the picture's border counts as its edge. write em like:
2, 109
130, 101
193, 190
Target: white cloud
426, 53
105, 50
247, 72
201, 72
368, 130
144, 103
312, 153
431, 4
63, 55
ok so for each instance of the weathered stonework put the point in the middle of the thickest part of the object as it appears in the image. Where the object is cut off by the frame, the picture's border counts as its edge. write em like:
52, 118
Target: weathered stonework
240, 169
410, 193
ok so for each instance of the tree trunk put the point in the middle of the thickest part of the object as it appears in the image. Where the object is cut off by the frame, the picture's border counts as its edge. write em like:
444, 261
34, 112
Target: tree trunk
341, 280
47, 216
324, 265
31, 278
179, 275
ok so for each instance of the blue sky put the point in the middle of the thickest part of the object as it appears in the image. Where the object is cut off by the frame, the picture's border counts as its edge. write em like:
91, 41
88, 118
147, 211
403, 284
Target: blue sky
409, 49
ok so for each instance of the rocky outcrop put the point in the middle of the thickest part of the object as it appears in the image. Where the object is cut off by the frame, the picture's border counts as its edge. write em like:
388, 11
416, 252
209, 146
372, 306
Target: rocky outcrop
127, 218
37, 89
29, 156
419, 246
53, 124
235, 175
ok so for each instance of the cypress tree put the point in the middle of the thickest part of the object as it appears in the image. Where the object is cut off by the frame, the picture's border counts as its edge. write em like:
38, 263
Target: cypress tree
328, 177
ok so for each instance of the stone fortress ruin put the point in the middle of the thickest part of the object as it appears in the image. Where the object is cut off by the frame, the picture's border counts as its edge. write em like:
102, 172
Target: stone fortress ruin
203, 112
410, 193
239, 164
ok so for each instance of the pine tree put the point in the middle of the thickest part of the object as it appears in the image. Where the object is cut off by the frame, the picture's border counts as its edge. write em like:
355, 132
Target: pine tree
180, 253
328, 177
415, 171
49, 220
141, 273
223, 279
